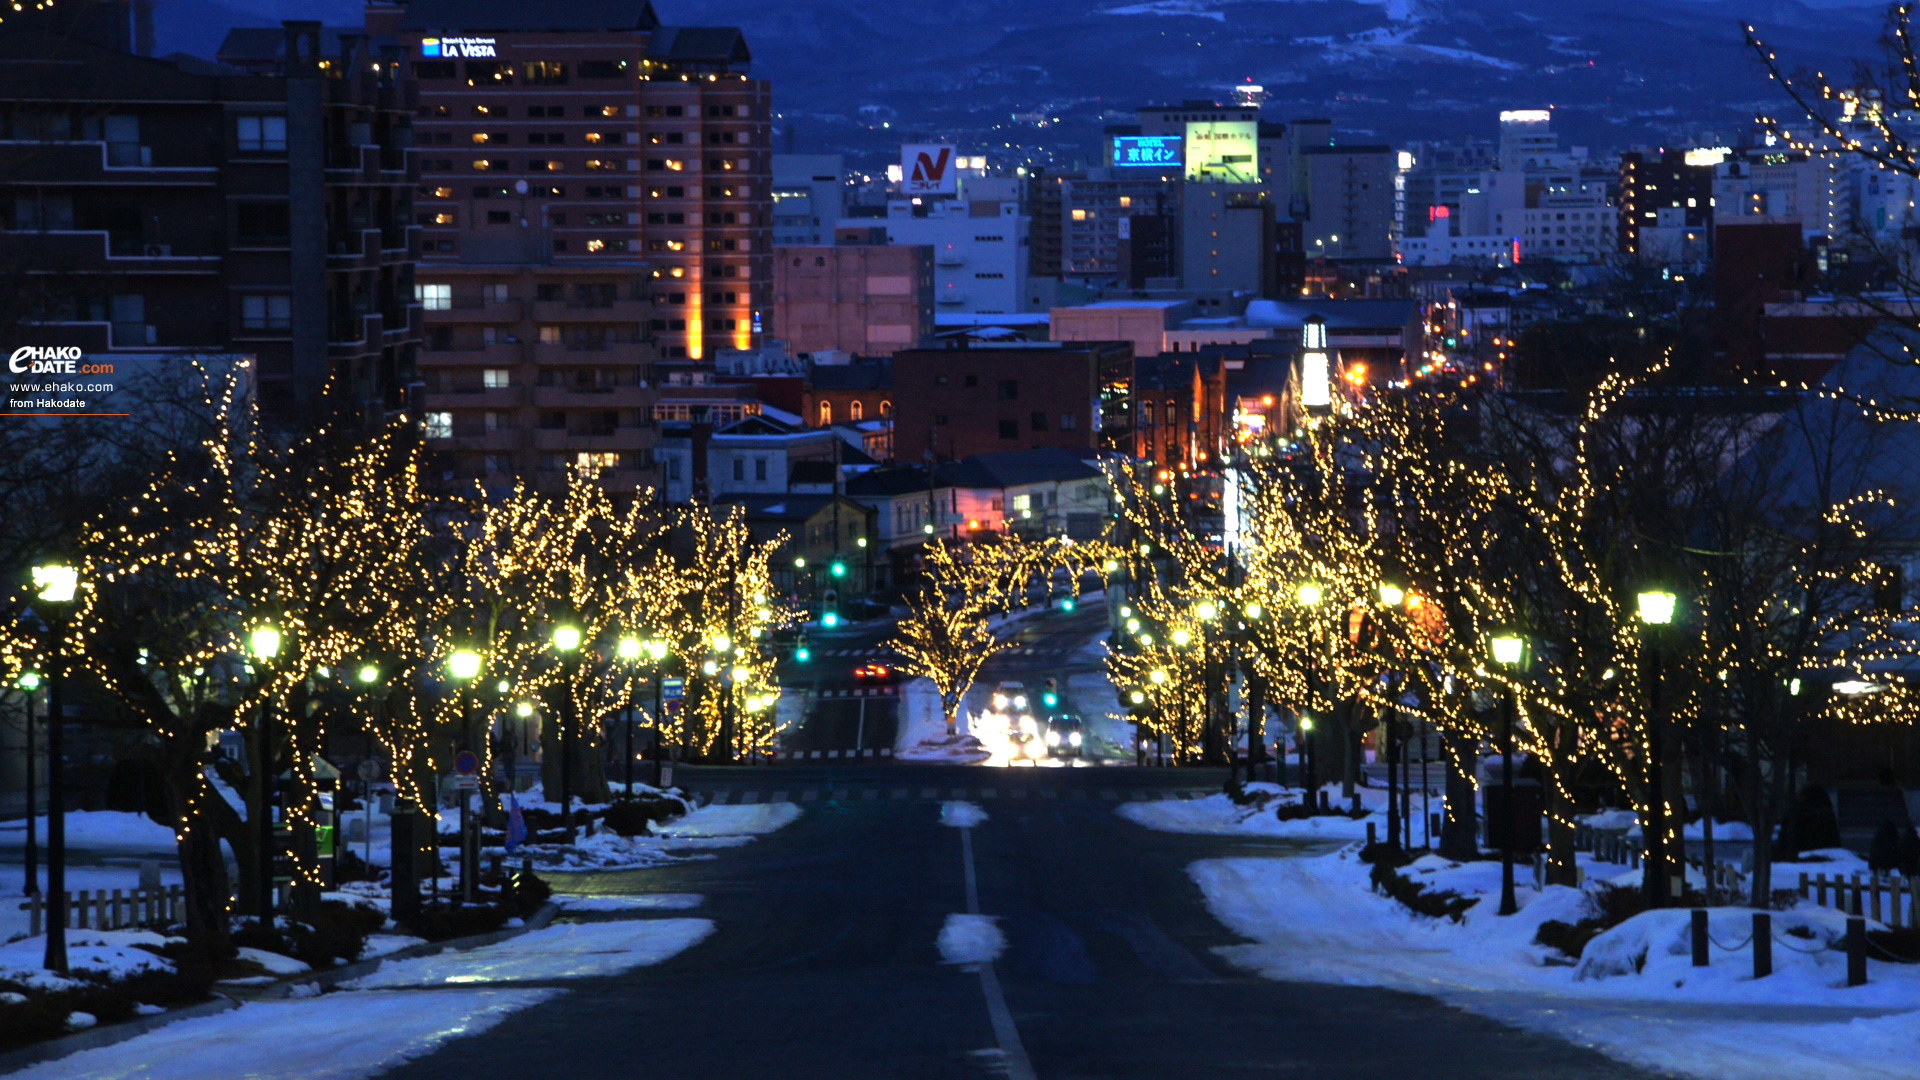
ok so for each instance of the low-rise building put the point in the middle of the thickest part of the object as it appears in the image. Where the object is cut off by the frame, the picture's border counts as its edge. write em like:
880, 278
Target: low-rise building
865, 299
950, 403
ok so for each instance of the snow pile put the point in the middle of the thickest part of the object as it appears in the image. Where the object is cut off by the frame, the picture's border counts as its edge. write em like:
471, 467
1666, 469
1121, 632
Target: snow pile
574, 904
569, 951
1220, 816
1317, 919
297, 1040
970, 939
922, 732
729, 821
961, 815
115, 954
271, 962
99, 832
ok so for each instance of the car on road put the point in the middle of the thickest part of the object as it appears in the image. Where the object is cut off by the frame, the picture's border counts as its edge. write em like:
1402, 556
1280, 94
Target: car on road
1066, 737
875, 673
1010, 699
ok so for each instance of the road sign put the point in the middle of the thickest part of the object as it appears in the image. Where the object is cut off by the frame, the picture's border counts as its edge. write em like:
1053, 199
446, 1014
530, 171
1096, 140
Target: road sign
466, 782
673, 689
671, 706
466, 763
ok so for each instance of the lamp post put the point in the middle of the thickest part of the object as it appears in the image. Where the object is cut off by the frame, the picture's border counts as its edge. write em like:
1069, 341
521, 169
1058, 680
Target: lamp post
629, 651
30, 682
56, 585
1655, 609
1508, 649
263, 644
566, 642
463, 666
1390, 597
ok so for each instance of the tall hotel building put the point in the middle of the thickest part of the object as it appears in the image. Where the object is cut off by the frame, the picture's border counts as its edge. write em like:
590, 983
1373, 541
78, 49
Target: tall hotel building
595, 196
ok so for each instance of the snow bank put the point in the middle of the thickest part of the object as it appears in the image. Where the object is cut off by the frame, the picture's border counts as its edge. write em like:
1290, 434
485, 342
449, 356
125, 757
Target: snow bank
1220, 816
709, 821
100, 832
922, 731
569, 951
336, 1037
1316, 919
961, 815
970, 939
113, 953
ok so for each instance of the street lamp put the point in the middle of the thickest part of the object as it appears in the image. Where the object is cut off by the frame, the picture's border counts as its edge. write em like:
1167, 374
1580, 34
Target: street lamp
1655, 609
263, 643
464, 666
30, 682
1205, 610
1308, 594
566, 642
369, 674
56, 584
1507, 650
1392, 595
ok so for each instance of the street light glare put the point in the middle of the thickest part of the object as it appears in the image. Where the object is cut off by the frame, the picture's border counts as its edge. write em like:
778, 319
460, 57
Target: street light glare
264, 642
1391, 595
657, 649
1206, 610
56, 583
566, 638
1308, 594
523, 710
1181, 637
1656, 608
1158, 676
29, 680
369, 673
629, 648
464, 664
1506, 649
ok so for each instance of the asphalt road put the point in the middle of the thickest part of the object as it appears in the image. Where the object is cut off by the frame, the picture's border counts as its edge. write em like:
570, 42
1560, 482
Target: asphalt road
824, 963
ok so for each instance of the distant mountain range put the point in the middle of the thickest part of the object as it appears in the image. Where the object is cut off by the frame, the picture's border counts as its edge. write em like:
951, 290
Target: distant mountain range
1616, 72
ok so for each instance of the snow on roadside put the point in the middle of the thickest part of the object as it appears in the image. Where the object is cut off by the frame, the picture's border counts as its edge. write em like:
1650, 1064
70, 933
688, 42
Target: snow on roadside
922, 731
567, 951
15, 921
297, 1040
1220, 816
710, 821
961, 815
1316, 919
115, 953
970, 939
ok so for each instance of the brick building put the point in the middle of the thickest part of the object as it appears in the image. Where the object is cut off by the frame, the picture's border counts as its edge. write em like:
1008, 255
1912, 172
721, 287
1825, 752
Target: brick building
1181, 419
953, 402
154, 206
841, 393
857, 298
596, 195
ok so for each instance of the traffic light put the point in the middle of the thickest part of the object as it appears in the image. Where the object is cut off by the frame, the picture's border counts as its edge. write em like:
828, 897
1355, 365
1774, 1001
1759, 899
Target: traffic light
800, 650
839, 568
1067, 604
1051, 697
829, 619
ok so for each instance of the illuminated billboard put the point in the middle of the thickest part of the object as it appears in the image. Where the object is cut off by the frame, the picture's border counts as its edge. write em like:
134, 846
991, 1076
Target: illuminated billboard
1225, 151
1147, 151
469, 47
928, 170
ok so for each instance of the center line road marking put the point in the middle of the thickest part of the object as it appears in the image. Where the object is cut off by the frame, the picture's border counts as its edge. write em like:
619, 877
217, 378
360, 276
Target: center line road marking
1004, 1031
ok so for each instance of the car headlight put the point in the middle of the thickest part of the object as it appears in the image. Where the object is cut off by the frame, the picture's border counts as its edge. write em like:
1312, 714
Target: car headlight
1053, 738
999, 701
1020, 702
1074, 738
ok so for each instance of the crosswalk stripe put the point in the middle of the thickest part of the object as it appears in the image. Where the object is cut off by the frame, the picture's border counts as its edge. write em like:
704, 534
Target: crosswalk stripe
1019, 793
778, 796
748, 798
898, 793
870, 793
989, 793
929, 793
810, 794
1110, 796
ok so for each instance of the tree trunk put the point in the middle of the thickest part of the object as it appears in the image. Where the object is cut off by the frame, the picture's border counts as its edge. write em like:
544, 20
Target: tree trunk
1560, 810
1348, 741
1457, 838
203, 867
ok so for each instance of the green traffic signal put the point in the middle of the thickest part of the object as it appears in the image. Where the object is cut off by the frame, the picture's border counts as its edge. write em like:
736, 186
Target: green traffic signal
803, 654
1052, 700
1067, 604
839, 568
829, 620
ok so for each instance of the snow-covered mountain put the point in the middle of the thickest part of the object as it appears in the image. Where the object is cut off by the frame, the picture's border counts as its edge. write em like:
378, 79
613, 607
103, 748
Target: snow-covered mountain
1615, 71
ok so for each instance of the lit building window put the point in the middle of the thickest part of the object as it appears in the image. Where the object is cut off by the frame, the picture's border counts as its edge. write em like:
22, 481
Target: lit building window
437, 425
434, 297
826, 413
856, 410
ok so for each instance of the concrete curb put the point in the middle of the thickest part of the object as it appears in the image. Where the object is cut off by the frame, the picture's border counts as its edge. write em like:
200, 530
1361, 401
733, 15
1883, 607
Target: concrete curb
224, 1001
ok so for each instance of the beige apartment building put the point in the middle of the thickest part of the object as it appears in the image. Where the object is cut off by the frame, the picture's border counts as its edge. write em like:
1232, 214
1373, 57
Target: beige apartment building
868, 299
595, 197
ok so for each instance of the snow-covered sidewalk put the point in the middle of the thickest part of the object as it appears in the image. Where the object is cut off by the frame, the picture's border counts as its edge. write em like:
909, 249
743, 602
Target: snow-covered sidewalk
1220, 816
1634, 994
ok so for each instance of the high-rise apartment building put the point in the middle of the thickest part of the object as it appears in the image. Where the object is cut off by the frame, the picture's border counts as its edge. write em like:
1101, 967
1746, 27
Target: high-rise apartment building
596, 194
175, 206
1678, 181
809, 198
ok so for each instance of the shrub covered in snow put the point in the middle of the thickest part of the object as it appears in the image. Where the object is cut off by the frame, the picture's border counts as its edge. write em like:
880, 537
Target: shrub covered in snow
115, 972
1433, 903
